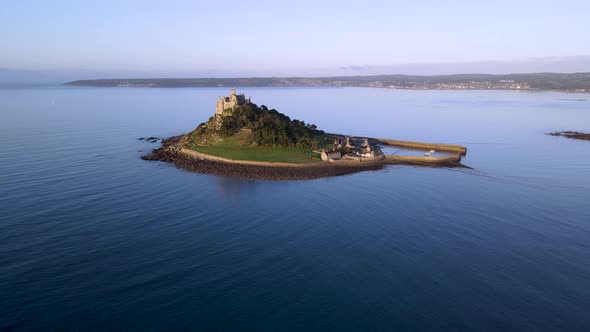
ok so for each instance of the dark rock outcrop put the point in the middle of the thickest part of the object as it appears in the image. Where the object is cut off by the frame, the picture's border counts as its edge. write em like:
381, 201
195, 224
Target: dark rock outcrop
571, 134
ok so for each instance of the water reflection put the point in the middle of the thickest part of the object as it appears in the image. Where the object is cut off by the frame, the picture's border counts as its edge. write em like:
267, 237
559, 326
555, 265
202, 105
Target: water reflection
232, 188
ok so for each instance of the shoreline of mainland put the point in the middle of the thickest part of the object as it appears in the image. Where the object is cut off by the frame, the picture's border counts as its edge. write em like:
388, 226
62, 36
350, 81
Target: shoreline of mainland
563, 82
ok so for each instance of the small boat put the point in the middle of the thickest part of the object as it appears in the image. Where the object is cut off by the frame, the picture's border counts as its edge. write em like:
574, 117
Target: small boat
429, 153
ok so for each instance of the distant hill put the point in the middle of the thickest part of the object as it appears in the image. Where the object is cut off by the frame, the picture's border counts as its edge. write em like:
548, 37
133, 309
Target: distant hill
542, 81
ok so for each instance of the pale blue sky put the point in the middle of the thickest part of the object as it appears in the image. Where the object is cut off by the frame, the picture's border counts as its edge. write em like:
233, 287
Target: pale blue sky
261, 38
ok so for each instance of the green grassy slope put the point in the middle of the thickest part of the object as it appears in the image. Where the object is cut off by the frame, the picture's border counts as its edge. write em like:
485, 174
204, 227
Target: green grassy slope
232, 148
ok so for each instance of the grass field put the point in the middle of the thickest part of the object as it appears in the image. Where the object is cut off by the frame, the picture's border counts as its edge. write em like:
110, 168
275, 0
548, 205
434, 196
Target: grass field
231, 148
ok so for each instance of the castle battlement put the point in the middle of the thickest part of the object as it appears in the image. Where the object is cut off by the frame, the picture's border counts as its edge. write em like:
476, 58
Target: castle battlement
224, 103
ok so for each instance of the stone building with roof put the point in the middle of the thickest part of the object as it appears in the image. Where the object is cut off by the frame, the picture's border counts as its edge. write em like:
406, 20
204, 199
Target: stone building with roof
331, 155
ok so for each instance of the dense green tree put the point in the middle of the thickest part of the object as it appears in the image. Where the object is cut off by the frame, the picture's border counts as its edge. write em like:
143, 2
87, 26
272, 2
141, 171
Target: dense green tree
268, 126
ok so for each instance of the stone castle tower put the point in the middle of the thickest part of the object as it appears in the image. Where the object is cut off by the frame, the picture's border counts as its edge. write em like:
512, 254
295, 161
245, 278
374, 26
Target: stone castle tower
224, 103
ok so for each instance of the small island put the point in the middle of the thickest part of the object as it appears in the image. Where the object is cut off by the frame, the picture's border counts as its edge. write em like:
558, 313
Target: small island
246, 140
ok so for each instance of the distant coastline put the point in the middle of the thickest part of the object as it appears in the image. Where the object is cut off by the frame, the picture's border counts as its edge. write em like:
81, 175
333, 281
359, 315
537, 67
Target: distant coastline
573, 82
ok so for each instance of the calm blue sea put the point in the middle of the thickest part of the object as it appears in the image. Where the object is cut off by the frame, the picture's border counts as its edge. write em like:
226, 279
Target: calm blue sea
93, 237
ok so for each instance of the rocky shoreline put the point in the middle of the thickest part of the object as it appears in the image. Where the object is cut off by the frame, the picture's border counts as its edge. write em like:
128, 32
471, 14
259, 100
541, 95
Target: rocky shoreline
571, 134
171, 152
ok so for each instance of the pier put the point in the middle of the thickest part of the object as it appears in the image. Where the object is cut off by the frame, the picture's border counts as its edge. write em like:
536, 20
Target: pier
422, 146
427, 159
423, 160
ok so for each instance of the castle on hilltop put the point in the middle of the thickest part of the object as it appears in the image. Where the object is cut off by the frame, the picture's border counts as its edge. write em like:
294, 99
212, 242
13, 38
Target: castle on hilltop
224, 103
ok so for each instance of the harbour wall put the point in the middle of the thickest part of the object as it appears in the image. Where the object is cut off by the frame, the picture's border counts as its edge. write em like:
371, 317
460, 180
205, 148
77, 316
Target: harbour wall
422, 146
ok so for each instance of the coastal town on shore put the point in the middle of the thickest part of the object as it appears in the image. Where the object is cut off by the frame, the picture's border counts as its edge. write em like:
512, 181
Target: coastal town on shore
465, 85
571, 82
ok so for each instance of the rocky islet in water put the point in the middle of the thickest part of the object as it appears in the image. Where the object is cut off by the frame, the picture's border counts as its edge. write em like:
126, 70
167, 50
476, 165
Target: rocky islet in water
248, 141
571, 134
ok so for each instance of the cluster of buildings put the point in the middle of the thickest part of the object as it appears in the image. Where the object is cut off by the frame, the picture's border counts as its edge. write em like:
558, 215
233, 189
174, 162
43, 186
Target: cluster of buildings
470, 85
136, 85
349, 148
